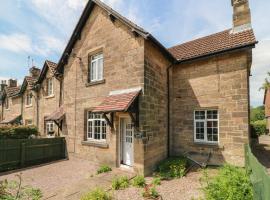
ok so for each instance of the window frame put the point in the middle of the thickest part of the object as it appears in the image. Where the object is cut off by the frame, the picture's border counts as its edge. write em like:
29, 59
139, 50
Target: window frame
99, 69
92, 133
51, 125
205, 120
28, 99
27, 122
50, 87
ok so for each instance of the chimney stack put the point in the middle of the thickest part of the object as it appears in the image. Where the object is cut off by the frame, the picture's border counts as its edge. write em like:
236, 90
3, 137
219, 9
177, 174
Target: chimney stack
241, 15
3, 85
34, 72
12, 83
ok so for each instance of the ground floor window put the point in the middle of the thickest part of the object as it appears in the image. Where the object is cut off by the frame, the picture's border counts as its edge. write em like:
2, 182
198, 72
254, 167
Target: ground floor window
28, 122
96, 127
206, 126
50, 127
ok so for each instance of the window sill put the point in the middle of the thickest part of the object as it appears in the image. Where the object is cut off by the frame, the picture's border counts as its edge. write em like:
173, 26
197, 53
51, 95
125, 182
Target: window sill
29, 106
49, 97
208, 144
96, 144
95, 83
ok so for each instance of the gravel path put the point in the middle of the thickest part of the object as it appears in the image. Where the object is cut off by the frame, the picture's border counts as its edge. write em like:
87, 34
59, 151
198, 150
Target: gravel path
186, 188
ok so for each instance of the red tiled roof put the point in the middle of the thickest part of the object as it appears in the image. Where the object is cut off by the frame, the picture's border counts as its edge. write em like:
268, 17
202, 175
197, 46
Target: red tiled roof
215, 43
12, 91
30, 81
56, 115
11, 120
116, 103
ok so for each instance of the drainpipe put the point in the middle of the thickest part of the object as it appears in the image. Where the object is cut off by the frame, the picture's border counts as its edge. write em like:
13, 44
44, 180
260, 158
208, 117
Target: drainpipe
168, 111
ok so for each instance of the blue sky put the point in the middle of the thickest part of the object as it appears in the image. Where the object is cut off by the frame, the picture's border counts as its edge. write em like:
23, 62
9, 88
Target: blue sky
41, 29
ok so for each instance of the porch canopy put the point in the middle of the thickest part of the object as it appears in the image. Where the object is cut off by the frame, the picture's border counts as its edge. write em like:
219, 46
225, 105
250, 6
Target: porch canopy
56, 116
120, 101
12, 120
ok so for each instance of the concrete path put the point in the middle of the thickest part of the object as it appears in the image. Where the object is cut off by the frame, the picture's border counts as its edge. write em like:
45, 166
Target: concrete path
68, 179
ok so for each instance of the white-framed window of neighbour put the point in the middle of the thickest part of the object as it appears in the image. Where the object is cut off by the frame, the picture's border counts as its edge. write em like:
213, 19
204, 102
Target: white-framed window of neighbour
7, 103
96, 68
96, 127
28, 99
50, 127
206, 126
28, 122
49, 87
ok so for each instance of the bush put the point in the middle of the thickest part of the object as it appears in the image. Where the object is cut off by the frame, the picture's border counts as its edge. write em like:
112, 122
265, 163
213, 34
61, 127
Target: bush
150, 192
17, 132
156, 181
104, 169
120, 183
172, 168
97, 194
231, 183
258, 128
138, 181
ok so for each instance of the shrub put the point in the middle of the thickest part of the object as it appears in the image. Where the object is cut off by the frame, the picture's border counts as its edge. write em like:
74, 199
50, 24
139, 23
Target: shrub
97, 194
120, 183
138, 181
156, 181
150, 192
258, 128
17, 132
172, 168
104, 169
231, 183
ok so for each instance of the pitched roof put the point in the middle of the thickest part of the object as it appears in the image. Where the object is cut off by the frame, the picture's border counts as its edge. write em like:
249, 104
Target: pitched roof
57, 115
47, 65
30, 81
83, 19
12, 91
116, 102
12, 120
216, 43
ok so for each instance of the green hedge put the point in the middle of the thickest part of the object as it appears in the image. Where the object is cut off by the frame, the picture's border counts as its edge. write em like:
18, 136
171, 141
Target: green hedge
17, 132
258, 128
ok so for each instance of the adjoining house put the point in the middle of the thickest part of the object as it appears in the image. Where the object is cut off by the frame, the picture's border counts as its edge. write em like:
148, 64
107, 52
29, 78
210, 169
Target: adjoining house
49, 97
266, 103
127, 101
11, 103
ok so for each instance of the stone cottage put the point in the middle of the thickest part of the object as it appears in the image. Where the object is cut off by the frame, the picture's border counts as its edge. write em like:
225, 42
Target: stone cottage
130, 102
266, 103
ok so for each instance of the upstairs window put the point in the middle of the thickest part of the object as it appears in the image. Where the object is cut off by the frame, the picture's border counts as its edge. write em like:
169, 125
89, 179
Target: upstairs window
28, 99
49, 87
96, 68
206, 123
96, 127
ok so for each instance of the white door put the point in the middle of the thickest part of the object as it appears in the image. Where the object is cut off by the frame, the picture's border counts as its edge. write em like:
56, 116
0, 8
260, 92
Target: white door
127, 141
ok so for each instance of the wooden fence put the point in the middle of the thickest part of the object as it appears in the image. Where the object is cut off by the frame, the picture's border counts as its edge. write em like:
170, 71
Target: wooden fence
21, 153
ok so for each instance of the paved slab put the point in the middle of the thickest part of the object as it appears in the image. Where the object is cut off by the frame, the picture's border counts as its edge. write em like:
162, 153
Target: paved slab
68, 179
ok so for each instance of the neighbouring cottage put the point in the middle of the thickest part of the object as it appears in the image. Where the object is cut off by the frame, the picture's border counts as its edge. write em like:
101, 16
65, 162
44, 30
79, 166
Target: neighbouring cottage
266, 103
121, 98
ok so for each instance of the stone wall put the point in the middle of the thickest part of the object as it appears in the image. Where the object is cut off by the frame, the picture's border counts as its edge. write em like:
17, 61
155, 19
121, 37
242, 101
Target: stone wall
219, 82
15, 108
153, 109
48, 104
123, 69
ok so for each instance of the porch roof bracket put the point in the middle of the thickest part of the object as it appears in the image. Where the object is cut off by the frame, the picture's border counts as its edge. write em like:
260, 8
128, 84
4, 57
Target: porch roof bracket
109, 122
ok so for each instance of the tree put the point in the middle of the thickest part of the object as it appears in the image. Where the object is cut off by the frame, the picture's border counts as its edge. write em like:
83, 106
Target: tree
266, 84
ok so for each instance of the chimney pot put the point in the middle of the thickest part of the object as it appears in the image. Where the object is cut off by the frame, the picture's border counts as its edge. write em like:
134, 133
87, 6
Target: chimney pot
34, 72
12, 83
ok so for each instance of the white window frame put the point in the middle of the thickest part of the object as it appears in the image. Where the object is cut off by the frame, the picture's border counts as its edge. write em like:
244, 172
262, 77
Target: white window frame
49, 127
28, 99
96, 67
91, 127
205, 120
50, 87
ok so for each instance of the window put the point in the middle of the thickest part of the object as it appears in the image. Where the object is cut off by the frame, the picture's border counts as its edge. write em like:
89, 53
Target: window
96, 127
206, 126
50, 127
28, 122
96, 68
7, 103
28, 99
49, 87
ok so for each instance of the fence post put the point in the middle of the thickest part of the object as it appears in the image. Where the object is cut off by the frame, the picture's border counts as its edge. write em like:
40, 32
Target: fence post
22, 154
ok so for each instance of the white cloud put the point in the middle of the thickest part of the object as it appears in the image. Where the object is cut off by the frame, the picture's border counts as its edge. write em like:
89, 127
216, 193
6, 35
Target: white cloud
16, 43
48, 45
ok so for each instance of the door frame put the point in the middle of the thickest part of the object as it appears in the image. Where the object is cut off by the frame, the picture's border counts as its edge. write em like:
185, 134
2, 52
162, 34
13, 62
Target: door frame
120, 146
